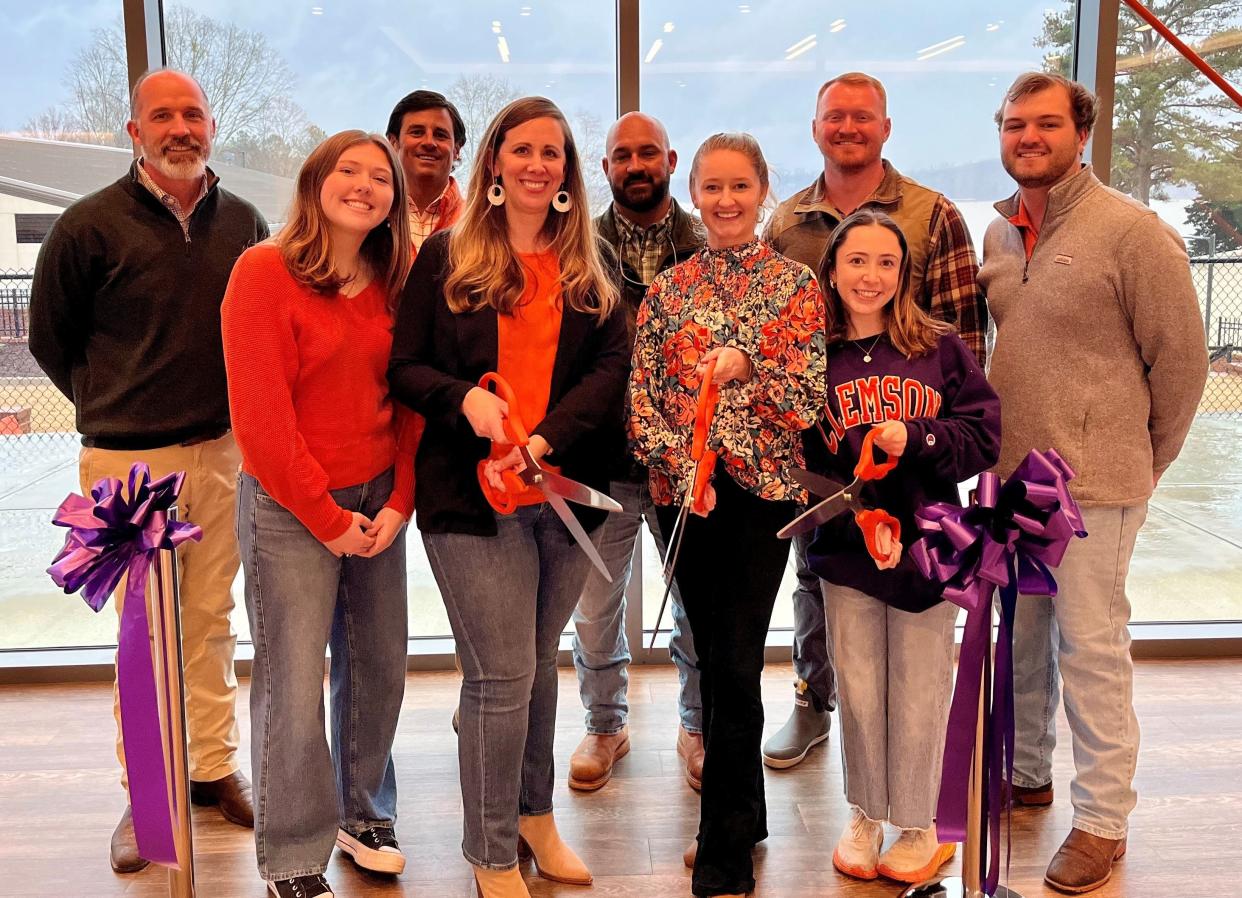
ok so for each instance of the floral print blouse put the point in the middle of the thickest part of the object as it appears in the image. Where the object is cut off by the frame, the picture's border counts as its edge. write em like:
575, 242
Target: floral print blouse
754, 299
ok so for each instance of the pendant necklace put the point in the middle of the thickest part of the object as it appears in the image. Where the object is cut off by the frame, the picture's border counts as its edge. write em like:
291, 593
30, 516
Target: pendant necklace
867, 352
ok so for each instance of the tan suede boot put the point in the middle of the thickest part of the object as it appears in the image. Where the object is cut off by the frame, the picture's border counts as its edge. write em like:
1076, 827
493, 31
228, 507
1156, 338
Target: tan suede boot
554, 860
499, 883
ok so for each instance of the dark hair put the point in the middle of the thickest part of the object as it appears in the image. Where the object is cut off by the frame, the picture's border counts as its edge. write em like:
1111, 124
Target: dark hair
1083, 106
426, 99
910, 329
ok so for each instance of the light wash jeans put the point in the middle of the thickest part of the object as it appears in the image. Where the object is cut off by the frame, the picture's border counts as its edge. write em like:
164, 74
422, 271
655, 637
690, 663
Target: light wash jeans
812, 647
1082, 638
508, 597
302, 599
601, 648
894, 676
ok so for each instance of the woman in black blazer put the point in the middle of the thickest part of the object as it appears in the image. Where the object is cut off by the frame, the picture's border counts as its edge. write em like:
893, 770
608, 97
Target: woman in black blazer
517, 287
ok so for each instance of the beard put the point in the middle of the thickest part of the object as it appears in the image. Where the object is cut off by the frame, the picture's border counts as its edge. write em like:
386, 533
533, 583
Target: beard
1055, 170
191, 164
659, 190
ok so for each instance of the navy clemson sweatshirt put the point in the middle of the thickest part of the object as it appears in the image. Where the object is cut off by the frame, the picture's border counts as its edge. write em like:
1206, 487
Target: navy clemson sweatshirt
952, 416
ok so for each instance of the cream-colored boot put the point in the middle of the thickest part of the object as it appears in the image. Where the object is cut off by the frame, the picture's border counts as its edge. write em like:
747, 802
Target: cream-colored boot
915, 856
554, 859
858, 850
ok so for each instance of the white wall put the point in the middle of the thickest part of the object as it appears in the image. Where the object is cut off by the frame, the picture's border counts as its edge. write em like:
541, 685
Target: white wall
16, 256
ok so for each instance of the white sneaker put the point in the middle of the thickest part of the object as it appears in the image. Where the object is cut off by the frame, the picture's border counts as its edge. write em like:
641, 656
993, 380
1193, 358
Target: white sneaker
915, 856
858, 850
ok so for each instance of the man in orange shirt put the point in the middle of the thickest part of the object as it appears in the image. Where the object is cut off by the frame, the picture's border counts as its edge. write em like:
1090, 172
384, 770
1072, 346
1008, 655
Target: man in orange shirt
428, 133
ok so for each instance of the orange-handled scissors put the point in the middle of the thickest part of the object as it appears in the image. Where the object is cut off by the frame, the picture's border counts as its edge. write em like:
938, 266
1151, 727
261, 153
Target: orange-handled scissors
556, 488
704, 465
845, 498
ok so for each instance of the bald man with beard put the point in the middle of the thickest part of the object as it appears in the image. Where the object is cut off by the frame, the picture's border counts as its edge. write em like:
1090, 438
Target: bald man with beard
649, 232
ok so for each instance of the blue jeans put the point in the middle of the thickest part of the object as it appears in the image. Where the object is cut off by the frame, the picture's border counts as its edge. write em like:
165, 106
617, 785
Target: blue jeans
1079, 644
812, 646
508, 598
601, 649
895, 672
302, 599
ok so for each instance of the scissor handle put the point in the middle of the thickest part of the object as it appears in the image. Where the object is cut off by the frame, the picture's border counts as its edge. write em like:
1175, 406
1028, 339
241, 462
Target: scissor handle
702, 477
867, 468
709, 394
868, 521
503, 501
512, 422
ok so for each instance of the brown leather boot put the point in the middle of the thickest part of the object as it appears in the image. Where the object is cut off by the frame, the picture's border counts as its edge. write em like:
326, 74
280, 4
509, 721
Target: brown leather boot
690, 749
1031, 796
1083, 862
231, 793
590, 766
124, 850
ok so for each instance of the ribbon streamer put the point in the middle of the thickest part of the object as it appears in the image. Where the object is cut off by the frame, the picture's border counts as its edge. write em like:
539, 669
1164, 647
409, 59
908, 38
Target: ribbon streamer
112, 534
1008, 539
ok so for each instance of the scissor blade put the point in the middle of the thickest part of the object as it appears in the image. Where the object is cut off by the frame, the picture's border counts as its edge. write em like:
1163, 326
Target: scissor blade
817, 514
816, 484
584, 541
575, 491
674, 550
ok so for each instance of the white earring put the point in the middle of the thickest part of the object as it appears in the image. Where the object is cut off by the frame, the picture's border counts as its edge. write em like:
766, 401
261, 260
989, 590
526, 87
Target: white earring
496, 193
562, 202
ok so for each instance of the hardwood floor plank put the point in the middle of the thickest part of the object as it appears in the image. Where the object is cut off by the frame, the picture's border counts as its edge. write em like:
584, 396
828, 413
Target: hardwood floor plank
60, 798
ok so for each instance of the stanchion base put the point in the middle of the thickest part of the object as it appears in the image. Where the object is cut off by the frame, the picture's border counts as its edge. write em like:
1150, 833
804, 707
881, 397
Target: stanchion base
953, 887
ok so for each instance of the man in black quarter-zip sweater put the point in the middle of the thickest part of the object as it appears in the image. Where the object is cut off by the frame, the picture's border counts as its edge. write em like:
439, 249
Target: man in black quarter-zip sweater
125, 320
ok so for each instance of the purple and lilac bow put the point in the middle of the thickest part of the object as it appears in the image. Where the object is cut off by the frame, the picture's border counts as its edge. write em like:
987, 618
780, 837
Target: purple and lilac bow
113, 534
1009, 539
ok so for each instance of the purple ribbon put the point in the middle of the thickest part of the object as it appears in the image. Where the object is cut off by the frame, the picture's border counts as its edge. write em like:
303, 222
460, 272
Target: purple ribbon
113, 534
1008, 539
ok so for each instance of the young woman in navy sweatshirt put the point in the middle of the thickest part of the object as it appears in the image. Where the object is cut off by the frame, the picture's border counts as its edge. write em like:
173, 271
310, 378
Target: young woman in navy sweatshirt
893, 369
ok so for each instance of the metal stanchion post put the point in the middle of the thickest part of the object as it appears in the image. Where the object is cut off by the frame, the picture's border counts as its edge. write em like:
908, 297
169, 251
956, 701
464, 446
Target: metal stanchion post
165, 608
974, 850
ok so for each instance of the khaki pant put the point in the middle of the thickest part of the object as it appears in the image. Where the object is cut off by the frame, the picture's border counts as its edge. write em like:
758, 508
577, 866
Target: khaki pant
207, 569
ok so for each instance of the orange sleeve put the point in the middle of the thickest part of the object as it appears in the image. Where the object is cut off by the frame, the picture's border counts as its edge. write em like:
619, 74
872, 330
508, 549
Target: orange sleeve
261, 361
409, 425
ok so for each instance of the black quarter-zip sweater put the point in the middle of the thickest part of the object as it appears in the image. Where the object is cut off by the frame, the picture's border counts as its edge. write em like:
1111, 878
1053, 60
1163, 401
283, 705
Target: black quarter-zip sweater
125, 312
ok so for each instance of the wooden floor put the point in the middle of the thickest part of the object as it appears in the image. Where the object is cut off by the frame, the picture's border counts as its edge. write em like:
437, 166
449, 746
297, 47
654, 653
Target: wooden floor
59, 801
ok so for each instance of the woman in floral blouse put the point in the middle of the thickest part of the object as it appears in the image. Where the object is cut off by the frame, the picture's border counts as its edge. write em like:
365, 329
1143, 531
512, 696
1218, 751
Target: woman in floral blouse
760, 316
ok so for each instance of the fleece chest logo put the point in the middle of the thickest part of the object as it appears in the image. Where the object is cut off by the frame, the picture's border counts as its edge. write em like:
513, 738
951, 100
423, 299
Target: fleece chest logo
1062, 259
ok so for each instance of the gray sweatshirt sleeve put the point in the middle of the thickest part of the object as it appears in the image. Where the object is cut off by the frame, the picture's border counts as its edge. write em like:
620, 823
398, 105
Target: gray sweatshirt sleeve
1163, 307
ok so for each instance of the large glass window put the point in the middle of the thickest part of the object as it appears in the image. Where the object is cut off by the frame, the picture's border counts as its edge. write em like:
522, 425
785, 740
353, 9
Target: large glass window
757, 67
280, 77
1177, 147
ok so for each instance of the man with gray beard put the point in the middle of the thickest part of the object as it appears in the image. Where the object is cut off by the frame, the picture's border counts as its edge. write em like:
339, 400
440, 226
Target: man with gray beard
125, 320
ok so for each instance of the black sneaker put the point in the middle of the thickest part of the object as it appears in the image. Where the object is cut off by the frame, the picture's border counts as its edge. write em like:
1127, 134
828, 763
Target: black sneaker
313, 886
373, 849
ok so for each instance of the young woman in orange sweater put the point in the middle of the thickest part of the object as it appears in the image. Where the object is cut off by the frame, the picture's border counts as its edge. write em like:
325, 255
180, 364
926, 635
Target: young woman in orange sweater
516, 287
326, 487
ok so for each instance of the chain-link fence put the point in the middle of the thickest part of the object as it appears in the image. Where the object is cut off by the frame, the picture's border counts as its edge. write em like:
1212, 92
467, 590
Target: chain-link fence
29, 404
1218, 281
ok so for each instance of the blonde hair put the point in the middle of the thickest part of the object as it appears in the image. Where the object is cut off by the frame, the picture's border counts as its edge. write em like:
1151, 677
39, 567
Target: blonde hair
911, 330
856, 79
484, 269
738, 142
305, 241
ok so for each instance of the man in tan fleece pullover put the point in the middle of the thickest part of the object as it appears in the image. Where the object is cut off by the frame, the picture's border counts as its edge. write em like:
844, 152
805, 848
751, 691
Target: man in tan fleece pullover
1100, 355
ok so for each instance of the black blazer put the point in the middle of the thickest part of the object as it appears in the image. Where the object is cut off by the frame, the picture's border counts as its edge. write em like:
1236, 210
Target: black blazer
438, 356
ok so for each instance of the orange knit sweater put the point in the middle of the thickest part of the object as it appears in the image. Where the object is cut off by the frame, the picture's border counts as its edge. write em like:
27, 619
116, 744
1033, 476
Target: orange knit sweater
308, 391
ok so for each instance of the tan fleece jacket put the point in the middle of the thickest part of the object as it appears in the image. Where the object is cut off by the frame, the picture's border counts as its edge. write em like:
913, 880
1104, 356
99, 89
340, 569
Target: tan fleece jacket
1100, 352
